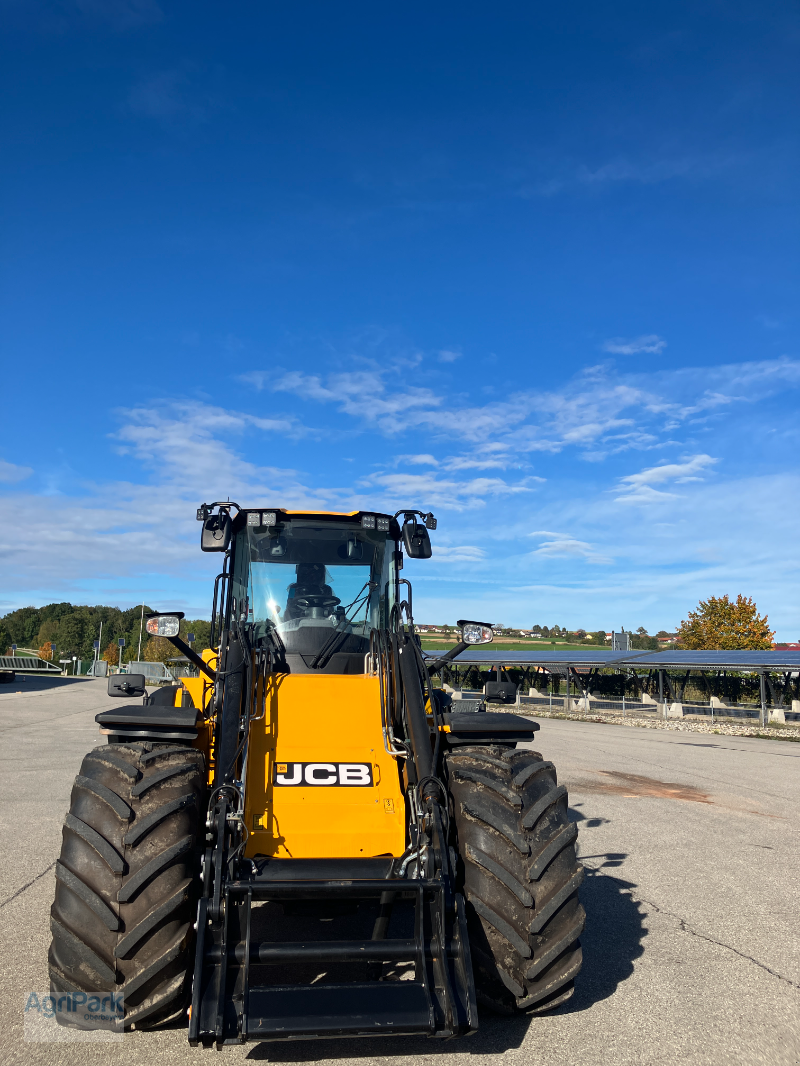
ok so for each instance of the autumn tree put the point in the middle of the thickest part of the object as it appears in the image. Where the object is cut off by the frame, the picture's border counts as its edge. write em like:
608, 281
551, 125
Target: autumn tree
720, 623
158, 650
111, 654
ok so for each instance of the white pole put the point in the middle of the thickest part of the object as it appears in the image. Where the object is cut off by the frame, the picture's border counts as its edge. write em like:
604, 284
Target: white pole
141, 623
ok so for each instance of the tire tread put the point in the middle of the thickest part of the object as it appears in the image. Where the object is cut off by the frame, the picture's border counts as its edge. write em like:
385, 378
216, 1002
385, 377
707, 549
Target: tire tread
520, 877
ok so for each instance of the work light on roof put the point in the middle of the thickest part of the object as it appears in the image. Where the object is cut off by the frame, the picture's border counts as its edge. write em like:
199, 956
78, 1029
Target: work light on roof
368, 521
383, 525
261, 518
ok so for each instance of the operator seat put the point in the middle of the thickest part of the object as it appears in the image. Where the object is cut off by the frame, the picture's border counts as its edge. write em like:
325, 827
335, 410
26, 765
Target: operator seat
310, 596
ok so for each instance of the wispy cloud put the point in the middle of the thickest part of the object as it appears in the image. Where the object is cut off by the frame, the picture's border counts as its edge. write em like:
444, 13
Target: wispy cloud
462, 553
646, 169
601, 411
486, 461
114, 539
650, 344
176, 95
638, 488
364, 394
446, 355
418, 460
193, 443
434, 491
564, 545
9, 472
654, 170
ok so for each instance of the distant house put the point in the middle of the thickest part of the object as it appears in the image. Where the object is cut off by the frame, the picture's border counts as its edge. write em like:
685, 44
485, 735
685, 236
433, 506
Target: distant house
785, 647
667, 640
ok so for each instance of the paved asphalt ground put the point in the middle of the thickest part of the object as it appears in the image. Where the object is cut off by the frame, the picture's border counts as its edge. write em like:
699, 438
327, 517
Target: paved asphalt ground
691, 949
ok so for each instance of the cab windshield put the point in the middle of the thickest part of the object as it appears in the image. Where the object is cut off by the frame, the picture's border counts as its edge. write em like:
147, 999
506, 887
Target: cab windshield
306, 579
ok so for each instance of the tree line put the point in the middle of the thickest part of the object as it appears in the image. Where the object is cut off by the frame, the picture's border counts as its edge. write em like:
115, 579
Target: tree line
73, 629
718, 622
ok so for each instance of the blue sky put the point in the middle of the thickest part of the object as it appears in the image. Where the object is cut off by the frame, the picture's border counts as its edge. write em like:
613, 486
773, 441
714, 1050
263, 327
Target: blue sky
532, 266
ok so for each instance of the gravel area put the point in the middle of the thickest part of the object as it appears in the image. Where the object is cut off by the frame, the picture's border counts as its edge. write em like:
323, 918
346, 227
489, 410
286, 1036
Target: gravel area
678, 725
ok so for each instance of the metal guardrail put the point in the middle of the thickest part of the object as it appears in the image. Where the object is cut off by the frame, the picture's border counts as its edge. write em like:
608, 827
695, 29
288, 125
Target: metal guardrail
28, 664
153, 672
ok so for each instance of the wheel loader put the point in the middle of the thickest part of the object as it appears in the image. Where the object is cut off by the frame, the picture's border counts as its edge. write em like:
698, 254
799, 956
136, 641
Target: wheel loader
310, 838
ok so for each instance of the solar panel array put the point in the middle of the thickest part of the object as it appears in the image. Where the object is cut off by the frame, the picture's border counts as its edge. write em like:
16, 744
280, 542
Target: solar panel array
786, 659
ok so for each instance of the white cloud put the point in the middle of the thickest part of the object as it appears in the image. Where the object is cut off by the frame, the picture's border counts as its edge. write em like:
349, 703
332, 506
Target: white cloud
418, 460
601, 411
113, 540
639, 487
650, 343
564, 545
182, 441
123, 533
463, 553
364, 394
477, 462
11, 473
429, 490
446, 355
257, 378
667, 560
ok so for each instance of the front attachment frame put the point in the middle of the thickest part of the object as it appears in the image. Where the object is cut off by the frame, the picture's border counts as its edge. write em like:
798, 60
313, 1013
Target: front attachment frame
227, 1008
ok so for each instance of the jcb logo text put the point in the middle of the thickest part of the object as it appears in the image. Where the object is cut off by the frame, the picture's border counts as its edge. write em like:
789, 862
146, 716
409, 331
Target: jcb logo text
324, 773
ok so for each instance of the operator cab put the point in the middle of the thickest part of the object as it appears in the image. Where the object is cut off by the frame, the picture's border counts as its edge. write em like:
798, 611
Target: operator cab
319, 583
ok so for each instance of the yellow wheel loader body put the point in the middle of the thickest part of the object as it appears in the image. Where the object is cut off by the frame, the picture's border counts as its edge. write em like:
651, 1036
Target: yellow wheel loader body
313, 770
320, 783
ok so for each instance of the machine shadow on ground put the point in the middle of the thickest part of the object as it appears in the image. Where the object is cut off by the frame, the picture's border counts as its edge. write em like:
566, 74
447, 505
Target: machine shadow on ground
614, 930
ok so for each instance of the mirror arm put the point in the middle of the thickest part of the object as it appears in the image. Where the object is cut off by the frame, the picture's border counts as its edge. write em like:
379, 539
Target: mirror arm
193, 657
448, 656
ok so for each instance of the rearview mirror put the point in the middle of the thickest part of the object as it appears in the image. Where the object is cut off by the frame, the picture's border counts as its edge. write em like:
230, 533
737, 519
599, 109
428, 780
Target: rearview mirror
475, 632
355, 549
126, 685
416, 540
216, 533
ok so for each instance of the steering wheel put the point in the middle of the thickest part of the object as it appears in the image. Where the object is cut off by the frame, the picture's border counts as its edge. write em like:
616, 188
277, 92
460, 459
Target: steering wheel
312, 600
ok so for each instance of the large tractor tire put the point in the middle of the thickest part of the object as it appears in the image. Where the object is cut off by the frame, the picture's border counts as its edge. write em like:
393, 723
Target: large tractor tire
126, 881
520, 876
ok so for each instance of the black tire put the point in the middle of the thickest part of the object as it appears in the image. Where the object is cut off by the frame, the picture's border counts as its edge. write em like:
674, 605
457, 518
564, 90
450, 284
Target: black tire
520, 876
126, 881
